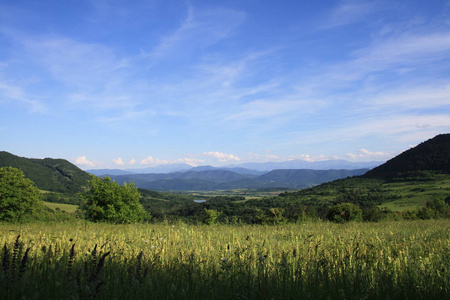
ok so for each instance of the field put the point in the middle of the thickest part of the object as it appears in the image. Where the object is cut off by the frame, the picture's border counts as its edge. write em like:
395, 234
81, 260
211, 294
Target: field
391, 260
414, 195
70, 208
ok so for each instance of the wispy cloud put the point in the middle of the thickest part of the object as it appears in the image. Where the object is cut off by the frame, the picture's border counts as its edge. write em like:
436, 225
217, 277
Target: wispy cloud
16, 93
200, 28
349, 12
74, 63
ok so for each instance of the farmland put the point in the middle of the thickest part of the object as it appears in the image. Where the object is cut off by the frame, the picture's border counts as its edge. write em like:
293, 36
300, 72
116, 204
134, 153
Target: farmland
83, 260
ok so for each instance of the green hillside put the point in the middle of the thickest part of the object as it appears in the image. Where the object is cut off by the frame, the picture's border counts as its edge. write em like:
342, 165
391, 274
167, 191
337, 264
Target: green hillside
210, 180
55, 175
431, 155
408, 181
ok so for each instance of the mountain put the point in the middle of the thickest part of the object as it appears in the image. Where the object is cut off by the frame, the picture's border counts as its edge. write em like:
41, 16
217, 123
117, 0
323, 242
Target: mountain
303, 164
304, 177
218, 179
431, 155
56, 175
247, 168
403, 183
162, 169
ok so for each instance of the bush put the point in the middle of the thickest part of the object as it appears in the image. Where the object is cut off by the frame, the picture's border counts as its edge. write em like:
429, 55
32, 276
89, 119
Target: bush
19, 197
344, 212
108, 201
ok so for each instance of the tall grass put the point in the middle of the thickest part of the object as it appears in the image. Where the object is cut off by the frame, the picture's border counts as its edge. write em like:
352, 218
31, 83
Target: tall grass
399, 260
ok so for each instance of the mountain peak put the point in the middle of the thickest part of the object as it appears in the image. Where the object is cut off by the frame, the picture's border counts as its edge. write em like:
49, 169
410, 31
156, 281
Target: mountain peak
431, 155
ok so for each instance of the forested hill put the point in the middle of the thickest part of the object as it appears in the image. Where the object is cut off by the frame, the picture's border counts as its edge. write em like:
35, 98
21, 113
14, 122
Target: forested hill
431, 155
56, 175
227, 180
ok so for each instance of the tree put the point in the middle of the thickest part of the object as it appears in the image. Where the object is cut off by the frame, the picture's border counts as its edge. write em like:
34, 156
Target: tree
211, 216
108, 201
18, 195
344, 212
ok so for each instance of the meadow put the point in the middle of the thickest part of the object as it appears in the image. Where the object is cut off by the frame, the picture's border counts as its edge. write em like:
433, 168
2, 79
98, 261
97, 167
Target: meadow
81, 260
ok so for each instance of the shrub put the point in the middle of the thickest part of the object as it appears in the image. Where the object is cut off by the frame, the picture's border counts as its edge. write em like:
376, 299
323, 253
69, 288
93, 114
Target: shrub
344, 212
19, 196
108, 201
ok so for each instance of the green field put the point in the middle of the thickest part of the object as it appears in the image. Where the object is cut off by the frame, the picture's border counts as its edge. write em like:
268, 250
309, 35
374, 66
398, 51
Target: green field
414, 195
81, 260
64, 207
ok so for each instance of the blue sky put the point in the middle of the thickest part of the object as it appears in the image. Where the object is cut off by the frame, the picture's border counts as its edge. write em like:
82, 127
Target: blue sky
132, 84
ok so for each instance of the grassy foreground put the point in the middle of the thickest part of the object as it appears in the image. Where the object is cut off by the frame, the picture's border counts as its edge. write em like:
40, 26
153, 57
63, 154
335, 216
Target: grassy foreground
395, 260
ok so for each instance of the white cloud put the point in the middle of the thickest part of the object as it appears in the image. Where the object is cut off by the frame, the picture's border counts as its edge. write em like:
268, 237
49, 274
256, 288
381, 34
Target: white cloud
155, 161
132, 161
83, 161
191, 161
149, 161
365, 154
118, 161
221, 157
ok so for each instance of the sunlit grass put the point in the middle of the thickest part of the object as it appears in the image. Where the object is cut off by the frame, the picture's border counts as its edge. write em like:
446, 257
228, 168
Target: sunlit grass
64, 207
395, 260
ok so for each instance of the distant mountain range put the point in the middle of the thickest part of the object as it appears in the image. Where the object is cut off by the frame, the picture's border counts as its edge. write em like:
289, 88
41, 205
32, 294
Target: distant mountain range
59, 175
246, 168
224, 180
293, 174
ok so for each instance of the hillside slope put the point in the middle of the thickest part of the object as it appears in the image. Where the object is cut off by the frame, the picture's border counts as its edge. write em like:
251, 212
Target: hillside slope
431, 155
56, 175
405, 182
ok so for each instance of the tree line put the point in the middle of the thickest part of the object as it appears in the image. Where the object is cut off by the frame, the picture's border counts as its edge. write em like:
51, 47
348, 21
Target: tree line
104, 200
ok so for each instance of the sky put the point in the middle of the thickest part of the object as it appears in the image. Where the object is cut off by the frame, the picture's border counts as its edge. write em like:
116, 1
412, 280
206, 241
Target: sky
134, 84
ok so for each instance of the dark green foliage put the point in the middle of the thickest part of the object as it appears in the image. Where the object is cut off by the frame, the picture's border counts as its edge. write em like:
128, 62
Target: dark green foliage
65, 198
344, 212
14, 265
372, 214
56, 175
434, 210
108, 201
18, 195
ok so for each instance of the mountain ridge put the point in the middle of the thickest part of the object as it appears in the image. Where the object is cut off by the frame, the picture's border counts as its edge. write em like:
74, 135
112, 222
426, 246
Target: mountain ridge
50, 174
223, 179
247, 168
430, 155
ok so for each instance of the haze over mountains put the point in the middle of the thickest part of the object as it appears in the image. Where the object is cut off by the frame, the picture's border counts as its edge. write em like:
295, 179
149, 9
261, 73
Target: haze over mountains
59, 175
226, 180
246, 168
292, 174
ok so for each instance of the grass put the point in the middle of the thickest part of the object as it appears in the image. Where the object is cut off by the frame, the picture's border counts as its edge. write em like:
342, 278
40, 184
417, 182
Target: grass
414, 195
79, 260
64, 207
